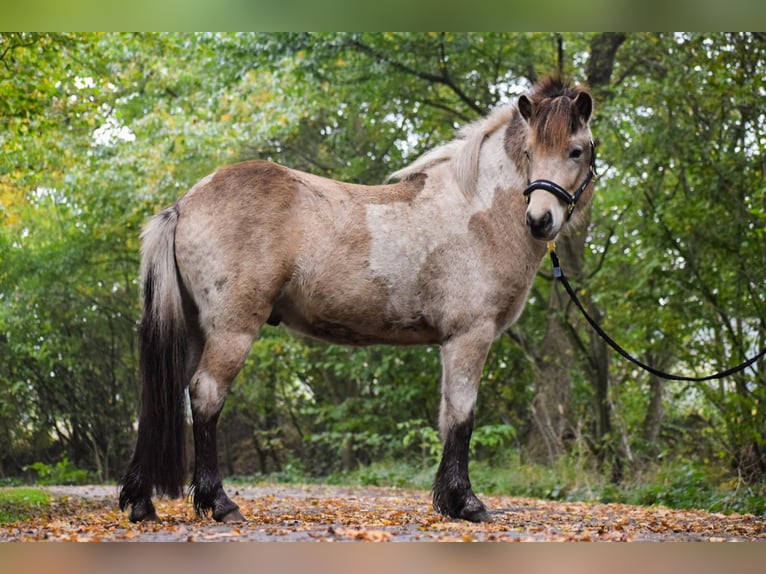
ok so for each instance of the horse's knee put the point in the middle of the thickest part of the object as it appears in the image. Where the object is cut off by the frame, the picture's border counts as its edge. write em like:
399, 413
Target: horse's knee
222, 358
462, 363
207, 394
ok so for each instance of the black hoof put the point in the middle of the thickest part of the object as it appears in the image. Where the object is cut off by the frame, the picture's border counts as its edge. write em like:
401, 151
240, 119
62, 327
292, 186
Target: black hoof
143, 511
231, 516
474, 510
464, 505
216, 502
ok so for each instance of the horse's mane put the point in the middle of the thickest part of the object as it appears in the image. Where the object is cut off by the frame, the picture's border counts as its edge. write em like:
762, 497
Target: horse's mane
464, 150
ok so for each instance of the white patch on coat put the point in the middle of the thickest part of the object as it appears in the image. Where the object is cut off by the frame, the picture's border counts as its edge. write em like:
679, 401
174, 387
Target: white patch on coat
206, 398
404, 234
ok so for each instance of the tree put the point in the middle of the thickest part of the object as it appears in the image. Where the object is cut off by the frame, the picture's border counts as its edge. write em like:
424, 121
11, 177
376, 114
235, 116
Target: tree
102, 130
690, 162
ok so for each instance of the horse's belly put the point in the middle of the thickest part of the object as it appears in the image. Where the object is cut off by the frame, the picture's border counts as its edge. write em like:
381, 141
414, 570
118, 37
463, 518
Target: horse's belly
355, 323
354, 335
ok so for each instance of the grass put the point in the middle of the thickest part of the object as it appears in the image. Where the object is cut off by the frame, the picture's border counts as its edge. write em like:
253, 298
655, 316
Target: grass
680, 484
562, 481
17, 504
675, 484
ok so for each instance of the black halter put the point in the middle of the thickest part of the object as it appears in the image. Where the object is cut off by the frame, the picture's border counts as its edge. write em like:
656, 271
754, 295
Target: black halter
560, 192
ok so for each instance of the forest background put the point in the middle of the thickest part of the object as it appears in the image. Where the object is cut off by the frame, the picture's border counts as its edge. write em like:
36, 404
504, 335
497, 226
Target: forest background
99, 131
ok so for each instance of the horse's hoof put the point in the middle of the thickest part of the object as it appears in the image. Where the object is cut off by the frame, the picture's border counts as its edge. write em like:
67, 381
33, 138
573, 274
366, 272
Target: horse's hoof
143, 512
463, 505
231, 516
475, 511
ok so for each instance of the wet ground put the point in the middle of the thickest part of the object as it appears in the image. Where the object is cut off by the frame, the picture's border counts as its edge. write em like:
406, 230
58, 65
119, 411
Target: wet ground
375, 514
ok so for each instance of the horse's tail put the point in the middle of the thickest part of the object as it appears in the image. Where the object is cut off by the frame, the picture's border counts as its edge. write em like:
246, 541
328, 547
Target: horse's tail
159, 461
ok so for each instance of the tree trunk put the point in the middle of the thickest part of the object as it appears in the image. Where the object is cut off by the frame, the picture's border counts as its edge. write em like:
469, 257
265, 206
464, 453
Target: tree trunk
607, 444
603, 50
654, 412
550, 406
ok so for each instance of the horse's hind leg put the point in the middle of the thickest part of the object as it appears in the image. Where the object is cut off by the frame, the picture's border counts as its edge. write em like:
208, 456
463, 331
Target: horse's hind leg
223, 356
463, 358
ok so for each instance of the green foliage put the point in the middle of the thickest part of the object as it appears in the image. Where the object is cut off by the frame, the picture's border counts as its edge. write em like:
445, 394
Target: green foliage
18, 504
63, 472
492, 441
570, 477
424, 437
99, 131
687, 484
387, 472
683, 486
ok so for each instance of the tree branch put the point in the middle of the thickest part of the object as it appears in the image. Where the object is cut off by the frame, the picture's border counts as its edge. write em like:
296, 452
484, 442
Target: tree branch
443, 78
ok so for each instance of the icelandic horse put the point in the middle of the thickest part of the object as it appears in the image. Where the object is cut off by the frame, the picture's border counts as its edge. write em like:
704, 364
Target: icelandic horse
445, 255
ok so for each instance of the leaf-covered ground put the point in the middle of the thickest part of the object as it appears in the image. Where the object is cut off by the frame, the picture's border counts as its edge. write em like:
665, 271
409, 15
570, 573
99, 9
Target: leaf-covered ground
373, 514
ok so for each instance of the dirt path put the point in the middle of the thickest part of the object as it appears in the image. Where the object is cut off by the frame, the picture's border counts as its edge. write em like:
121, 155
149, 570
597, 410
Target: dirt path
328, 513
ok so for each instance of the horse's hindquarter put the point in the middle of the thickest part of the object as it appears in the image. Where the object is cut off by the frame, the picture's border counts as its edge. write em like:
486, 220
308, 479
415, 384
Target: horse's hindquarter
234, 245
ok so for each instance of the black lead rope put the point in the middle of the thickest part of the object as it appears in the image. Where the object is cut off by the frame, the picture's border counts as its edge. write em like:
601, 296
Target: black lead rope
558, 273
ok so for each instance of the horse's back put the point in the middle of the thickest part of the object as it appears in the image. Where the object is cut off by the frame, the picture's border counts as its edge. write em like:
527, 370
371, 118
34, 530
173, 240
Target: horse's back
264, 242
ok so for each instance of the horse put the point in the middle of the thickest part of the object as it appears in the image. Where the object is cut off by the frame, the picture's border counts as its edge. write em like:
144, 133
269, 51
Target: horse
444, 253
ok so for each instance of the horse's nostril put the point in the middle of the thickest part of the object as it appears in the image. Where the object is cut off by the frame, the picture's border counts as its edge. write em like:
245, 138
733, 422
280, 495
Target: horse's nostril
540, 227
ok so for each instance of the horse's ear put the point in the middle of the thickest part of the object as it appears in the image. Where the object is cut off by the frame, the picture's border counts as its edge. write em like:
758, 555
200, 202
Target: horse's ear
583, 105
525, 107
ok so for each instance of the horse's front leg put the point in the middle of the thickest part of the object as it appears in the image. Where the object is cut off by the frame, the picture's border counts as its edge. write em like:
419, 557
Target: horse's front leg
462, 362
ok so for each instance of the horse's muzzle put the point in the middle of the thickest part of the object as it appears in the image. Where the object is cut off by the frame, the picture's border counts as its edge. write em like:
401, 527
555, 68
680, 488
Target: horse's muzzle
541, 227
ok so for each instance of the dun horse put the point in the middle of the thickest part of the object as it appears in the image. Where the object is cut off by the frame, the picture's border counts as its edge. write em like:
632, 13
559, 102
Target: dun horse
445, 256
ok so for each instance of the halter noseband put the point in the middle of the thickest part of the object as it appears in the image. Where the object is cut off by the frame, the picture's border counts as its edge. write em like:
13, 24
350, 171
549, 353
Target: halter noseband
560, 192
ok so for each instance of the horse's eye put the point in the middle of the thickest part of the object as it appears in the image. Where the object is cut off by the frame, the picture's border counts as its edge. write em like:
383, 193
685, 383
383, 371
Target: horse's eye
575, 153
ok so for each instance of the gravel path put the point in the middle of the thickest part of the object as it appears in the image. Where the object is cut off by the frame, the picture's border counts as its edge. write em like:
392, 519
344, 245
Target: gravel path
332, 513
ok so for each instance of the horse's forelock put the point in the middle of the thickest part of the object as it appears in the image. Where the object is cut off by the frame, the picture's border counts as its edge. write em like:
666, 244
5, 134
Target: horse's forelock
555, 117
554, 122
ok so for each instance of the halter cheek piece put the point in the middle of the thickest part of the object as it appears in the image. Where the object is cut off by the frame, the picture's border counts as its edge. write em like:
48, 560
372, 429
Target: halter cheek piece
560, 192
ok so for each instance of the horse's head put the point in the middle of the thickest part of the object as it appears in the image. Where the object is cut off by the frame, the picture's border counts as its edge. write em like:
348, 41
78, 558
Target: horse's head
560, 151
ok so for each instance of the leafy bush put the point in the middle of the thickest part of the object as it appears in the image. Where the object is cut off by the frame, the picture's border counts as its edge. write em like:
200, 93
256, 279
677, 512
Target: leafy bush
684, 484
63, 472
491, 441
419, 433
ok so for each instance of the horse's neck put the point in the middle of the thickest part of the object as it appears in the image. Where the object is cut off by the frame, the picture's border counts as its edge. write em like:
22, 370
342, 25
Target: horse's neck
496, 171
499, 197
